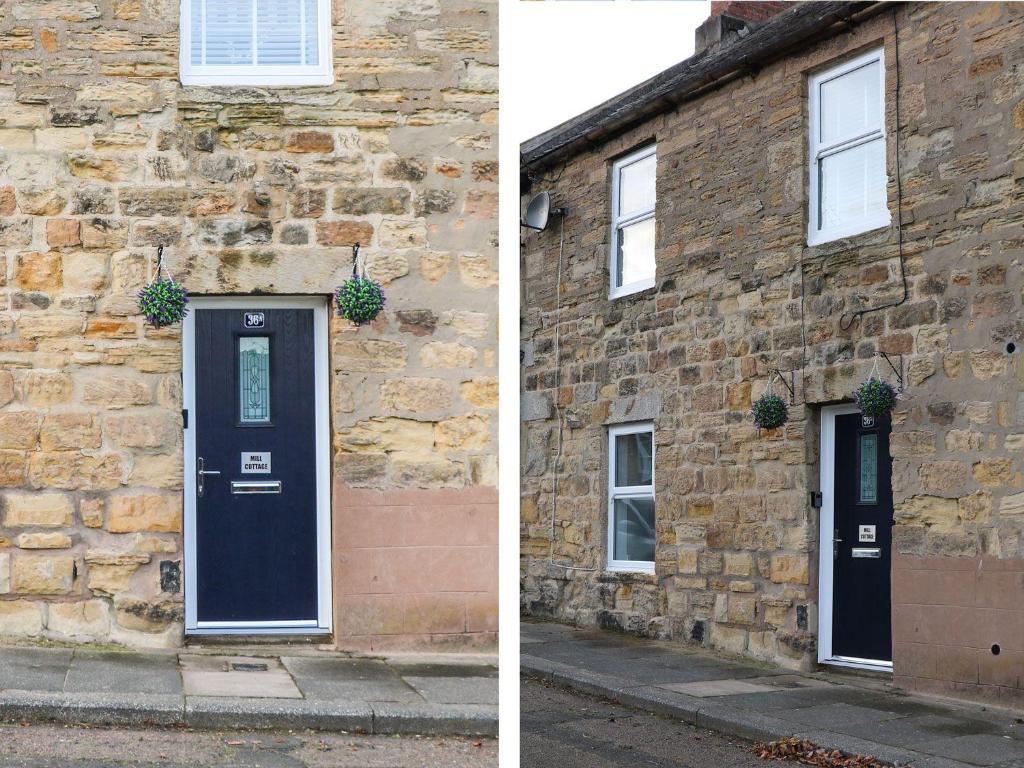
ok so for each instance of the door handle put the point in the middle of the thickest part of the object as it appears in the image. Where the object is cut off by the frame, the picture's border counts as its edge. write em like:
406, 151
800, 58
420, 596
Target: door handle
836, 541
201, 473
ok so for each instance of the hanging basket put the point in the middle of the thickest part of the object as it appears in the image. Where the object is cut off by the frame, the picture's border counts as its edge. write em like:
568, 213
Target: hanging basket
769, 411
359, 299
875, 397
163, 301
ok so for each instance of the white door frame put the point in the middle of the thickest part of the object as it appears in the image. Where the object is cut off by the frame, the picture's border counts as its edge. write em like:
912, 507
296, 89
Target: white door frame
826, 528
322, 625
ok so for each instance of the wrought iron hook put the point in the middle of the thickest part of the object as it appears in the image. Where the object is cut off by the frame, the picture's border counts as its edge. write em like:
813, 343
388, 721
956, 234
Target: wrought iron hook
788, 384
898, 372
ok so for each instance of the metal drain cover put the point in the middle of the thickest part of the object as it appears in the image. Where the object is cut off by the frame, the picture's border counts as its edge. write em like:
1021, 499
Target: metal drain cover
247, 667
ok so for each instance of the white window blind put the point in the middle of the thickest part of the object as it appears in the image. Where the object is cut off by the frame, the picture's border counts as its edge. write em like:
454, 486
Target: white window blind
256, 42
847, 142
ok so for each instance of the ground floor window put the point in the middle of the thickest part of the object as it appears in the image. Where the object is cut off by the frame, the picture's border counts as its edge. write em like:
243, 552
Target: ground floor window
631, 498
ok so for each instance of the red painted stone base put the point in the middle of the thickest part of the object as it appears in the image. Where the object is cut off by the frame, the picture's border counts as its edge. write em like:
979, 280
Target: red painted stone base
948, 614
415, 569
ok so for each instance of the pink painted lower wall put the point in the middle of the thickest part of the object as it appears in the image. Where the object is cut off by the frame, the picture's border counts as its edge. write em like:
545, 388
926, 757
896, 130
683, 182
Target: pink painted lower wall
415, 569
958, 627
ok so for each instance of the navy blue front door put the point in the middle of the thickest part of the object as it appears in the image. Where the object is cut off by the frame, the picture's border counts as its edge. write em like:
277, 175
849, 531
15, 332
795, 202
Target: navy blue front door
861, 602
256, 499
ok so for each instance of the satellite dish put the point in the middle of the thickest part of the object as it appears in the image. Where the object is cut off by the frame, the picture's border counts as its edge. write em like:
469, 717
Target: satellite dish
537, 212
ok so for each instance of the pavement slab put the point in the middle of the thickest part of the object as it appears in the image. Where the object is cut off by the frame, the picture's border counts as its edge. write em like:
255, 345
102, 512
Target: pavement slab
980, 749
826, 715
856, 714
920, 732
456, 690
34, 669
356, 679
94, 672
237, 677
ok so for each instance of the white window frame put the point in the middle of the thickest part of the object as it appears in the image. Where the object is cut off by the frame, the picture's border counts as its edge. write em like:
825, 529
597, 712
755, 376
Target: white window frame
627, 491
819, 150
617, 223
273, 76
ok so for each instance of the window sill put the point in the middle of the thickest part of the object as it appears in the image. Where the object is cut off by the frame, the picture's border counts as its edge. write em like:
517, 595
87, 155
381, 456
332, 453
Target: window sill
629, 290
261, 81
824, 236
638, 568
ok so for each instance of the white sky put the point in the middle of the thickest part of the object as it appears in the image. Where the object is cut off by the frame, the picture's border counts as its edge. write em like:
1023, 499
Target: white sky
572, 55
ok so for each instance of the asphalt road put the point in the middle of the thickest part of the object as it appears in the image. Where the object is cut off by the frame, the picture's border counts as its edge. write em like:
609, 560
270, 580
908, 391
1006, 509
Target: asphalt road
54, 746
571, 731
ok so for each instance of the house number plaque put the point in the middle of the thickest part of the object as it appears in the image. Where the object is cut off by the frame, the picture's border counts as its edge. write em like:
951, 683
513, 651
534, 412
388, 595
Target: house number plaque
254, 320
256, 463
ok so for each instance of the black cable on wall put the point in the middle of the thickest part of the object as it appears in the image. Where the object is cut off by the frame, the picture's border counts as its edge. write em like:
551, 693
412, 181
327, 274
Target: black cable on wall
849, 318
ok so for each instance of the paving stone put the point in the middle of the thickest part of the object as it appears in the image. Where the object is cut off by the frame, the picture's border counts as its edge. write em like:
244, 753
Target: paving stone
779, 699
826, 715
792, 682
979, 749
456, 690
919, 732
34, 669
444, 670
349, 680
237, 677
93, 671
678, 668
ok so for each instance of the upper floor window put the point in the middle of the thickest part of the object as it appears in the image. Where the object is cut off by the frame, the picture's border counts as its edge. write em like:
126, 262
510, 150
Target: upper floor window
847, 141
633, 198
256, 42
631, 533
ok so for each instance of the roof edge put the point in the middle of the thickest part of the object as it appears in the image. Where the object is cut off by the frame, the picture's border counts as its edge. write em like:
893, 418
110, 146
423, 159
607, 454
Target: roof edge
667, 89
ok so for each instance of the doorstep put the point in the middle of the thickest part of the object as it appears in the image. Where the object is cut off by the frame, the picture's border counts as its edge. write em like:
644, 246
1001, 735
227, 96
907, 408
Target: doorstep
760, 702
410, 694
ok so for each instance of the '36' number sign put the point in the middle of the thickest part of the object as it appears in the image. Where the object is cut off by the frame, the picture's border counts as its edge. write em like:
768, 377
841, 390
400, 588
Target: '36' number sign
253, 319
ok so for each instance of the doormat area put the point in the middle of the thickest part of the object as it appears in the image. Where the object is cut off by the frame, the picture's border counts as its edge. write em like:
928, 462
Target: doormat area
809, 753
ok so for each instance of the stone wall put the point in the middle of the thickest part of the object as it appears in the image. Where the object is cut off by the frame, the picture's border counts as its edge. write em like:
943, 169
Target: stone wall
104, 155
739, 292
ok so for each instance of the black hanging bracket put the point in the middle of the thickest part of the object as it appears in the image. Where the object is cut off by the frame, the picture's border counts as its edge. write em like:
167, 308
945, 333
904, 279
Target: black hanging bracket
788, 383
897, 371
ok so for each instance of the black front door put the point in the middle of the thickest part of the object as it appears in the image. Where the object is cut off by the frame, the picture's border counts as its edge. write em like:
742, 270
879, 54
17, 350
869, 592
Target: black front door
862, 504
256, 490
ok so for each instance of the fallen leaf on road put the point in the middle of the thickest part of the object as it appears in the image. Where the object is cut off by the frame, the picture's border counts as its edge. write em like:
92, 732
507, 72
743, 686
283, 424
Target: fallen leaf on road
809, 753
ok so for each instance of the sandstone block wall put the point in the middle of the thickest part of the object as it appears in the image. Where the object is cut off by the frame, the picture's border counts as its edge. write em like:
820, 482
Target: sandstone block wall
103, 156
739, 293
